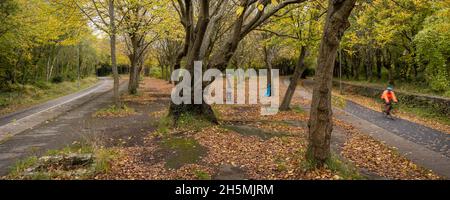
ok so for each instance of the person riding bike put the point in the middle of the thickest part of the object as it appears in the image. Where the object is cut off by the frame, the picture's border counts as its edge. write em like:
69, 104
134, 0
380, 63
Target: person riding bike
389, 97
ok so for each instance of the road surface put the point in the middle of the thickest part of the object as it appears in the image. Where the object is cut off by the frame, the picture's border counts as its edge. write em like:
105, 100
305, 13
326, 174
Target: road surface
51, 125
20, 121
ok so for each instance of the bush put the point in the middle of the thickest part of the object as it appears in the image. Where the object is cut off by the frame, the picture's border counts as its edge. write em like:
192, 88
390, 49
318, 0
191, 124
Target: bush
71, 77
156, 72
106, 69
57, 79
309, 72
285, 65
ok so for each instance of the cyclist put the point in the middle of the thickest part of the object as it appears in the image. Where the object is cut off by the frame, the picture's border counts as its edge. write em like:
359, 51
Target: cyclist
389, 97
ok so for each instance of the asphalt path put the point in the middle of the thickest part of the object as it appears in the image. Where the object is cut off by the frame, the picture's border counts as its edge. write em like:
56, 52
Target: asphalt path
15, 123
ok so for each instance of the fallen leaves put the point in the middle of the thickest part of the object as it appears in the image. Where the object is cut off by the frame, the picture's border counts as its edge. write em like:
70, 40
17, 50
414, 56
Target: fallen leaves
366, 152
258, 158
272, 158
132, 166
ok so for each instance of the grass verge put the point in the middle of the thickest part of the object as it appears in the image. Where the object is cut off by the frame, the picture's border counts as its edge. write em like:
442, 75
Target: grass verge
29, 95
344, 170
114, 112
102, 159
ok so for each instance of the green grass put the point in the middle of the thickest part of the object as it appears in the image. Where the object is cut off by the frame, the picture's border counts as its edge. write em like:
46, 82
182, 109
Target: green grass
192, 122
20, 166
185, 122
102, 163
114, 111
29, 95
298, 109
103, 159
426, 113
343, 169
76, 147
201, 175
164, 125
281, 165
183, 151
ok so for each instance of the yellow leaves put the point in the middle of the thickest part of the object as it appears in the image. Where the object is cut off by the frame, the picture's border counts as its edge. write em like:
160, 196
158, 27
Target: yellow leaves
274, 2
40, 22
240, 10
260, 6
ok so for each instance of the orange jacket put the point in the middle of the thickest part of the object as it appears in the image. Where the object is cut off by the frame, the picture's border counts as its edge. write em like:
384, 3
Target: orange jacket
388, 96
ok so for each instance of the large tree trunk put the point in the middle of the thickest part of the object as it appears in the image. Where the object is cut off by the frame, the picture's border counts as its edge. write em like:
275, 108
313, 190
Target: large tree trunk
141, 66
135, 60
193, 54
299, 69
133, 82
321, 120
113, 53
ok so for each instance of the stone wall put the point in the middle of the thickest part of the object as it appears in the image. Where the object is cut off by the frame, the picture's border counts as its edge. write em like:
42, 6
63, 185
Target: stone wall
437, 104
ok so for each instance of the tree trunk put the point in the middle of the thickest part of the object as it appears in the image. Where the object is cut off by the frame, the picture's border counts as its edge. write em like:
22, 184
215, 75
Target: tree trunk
80, 62
132, 84
347, 65
365, 65
135, 59
193, 54
141, 66
321, 121
369, 64
378, 63
387, 64
162, 67
113, 53
299, 69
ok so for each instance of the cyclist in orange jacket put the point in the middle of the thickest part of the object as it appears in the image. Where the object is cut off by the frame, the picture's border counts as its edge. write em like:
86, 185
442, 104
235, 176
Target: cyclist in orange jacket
389, 97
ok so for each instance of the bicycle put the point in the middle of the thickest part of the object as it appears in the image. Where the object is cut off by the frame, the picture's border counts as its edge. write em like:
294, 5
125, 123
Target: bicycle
388, 110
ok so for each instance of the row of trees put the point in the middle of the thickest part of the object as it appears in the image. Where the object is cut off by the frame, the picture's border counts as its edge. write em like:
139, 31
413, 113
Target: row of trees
409, 40
43, 41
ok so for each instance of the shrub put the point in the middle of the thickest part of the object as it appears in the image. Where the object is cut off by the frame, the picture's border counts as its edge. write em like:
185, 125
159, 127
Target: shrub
57, 79
309, 72
156, 72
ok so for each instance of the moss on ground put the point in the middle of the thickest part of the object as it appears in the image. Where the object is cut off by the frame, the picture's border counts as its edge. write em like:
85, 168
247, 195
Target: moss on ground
182, 151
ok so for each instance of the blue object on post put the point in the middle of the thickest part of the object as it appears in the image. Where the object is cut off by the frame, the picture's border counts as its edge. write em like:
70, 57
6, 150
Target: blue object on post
269, 91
